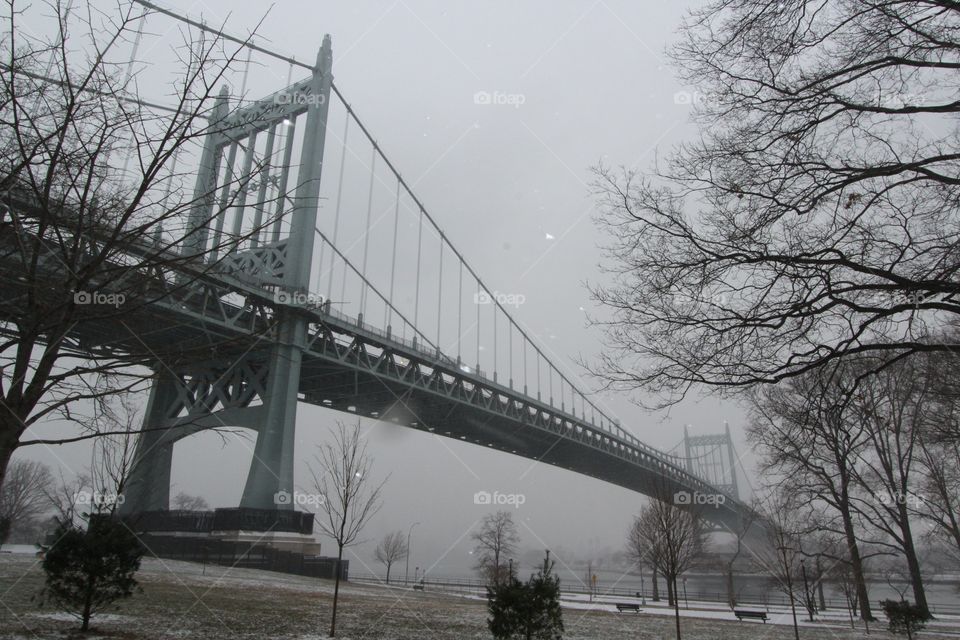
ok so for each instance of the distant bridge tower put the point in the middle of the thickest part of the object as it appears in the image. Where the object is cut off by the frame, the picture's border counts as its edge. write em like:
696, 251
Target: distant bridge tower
257, 386
711, 458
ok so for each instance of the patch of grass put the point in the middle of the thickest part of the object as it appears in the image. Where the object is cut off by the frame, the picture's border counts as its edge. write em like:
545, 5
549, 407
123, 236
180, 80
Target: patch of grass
178, 601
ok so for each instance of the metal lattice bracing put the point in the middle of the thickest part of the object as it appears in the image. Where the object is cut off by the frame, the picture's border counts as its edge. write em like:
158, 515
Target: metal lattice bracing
712, 458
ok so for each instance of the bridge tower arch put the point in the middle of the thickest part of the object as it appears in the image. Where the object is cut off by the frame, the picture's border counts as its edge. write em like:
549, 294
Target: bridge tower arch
255, 386
712, 458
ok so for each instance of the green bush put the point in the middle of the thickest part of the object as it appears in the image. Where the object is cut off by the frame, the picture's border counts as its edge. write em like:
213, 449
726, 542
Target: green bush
528, 610
89, 569
903, 617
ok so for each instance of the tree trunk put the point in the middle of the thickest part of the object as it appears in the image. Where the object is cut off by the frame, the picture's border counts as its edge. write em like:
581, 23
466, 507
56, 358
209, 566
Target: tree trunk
856, 565
731, 598
671, 593
823, 600
656, 587
388, 573
9, 436
913, 564
336, 592
676, 603
87, 605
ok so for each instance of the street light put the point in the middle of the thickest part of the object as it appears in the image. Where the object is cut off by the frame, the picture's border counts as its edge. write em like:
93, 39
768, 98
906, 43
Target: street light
406, 570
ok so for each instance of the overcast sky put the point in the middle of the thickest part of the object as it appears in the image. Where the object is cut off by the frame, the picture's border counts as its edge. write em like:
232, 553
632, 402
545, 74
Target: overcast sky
585, 81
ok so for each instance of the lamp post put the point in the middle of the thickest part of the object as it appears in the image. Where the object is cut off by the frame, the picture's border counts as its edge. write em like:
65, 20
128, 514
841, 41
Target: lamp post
406, 571
685, 601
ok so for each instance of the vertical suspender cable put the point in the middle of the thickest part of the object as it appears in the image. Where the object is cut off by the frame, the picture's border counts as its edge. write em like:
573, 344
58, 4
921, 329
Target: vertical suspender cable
126, 78
223, 201
264, 181
393, 258
460, 312
416, 300
439, 294
524, 365
510, 332
476, 301
158, 231
366, 234
291, 126
495, 305
336, 207
246, 72
538, 373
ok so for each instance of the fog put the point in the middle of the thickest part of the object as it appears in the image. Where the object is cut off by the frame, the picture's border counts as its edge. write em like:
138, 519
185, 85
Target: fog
571, 84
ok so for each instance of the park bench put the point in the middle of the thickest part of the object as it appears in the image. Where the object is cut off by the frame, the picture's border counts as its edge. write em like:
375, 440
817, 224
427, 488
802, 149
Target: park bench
418, 587
755, 615
628, 606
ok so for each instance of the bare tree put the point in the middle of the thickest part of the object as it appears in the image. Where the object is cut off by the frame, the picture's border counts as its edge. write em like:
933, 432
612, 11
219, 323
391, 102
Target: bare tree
673, 538
892, 404
782, 552
188, 502
939, 457
95, 223
811, 439
98, 488
941, 491
22, 496
392, 548
63, 495
494, 541
350, 497
814, 215
745, 528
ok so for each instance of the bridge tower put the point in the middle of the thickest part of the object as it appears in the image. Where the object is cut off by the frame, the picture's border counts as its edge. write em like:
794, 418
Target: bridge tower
256, 385
711, 458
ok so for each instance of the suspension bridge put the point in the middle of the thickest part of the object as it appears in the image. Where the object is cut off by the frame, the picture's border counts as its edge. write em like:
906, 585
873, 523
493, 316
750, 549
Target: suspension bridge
352, 299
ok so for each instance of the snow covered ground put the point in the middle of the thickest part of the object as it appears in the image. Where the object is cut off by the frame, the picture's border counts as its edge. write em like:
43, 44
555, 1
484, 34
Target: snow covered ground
187, 600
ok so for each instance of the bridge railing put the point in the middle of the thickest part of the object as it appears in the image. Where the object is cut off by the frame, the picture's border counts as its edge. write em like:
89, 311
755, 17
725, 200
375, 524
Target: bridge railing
620, 439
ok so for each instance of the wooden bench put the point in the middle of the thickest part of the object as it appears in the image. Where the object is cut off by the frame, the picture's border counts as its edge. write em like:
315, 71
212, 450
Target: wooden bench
628, 606
418, 587
754, 615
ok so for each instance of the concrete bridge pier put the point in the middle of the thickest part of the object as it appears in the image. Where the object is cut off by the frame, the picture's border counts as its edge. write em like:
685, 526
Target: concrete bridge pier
148, 487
